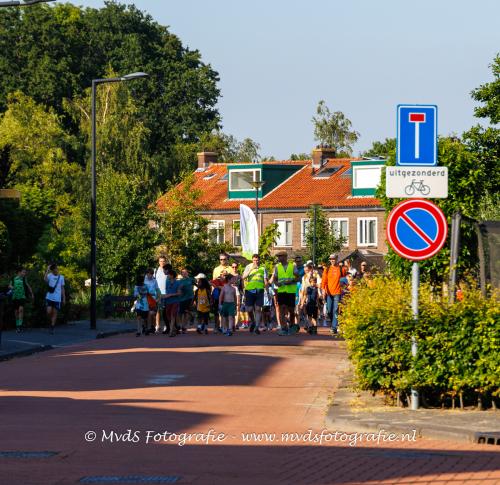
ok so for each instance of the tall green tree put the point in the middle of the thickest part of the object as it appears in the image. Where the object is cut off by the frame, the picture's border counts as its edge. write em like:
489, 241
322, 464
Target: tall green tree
321, 241
125, 240
52, 53
489, 95
183, 232
334, 129
381, 149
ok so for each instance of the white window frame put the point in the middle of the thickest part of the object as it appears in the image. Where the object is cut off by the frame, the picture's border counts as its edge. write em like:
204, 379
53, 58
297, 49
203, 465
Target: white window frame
355, 176
340, 219
365, 220
303, 232
217, 224
234, 233
258, 170
278, 245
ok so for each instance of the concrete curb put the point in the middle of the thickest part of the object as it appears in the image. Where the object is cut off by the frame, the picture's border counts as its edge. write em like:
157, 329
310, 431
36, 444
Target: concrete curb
342, 416
25, 352
42, 348
113, 333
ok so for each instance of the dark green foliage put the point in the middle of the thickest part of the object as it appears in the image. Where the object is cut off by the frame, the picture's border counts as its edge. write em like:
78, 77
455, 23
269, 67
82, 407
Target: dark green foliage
267, 241
458, 344
469, 176
326, 241
489, 95
52, 53
5, 247
381, 149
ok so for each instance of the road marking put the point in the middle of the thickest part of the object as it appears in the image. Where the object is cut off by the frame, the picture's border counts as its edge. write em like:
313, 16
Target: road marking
130, 479
165, 379
24, 342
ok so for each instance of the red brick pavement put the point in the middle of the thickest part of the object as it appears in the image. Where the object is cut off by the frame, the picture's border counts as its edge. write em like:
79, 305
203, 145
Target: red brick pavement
244, 383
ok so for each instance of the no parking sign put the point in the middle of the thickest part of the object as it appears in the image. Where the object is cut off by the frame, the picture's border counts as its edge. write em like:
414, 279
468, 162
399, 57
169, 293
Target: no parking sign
416, 229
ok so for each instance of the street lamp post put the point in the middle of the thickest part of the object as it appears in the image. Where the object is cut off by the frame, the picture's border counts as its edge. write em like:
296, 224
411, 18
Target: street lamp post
23, 3
257, 185
93, 205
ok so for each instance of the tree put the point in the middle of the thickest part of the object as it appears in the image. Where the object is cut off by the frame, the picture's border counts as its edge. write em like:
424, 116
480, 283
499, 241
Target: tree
34, 161
300, 156
489, 95
5, 247
321, 241
44, 51
125, 239
381, 149
267, 241
484, 143
334, 130
183, 232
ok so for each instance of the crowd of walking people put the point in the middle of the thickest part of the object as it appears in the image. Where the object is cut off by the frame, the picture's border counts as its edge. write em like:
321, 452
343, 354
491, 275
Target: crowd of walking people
291, 296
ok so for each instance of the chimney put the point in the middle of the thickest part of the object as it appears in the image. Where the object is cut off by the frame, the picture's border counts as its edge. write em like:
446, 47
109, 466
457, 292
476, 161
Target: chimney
320, 155
206, 159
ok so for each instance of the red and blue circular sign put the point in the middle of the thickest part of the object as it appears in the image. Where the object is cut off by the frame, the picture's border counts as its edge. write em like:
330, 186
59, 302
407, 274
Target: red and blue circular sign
416, 229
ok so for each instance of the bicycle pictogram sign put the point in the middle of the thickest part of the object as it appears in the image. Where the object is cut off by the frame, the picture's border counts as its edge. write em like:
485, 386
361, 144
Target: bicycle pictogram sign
417, 187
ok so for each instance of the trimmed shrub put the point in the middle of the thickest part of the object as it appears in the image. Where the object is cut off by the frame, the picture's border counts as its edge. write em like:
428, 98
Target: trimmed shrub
458, 344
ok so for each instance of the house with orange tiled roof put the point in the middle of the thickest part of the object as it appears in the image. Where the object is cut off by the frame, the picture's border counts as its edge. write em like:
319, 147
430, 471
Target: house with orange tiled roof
344, 187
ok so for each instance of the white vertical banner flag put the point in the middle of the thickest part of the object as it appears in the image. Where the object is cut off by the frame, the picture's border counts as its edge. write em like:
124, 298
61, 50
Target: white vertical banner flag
249, 232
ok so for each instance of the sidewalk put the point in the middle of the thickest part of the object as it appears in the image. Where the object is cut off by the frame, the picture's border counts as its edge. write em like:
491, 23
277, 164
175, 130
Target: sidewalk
31, 340
359, 411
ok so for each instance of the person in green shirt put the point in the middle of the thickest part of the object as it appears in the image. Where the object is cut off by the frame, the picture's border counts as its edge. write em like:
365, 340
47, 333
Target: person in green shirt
186, 299
20, 287
255, 276
285, 277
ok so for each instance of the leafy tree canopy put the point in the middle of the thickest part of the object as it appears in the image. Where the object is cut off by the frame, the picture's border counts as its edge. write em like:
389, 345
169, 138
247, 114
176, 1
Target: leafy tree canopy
52, 53
334, 130
381, 149
489, 95
321, 241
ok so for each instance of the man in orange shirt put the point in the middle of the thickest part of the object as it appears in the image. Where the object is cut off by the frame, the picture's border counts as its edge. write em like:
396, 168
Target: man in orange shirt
330, 284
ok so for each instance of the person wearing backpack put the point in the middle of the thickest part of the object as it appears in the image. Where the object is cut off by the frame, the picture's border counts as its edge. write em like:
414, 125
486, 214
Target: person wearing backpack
56, 295
20, 287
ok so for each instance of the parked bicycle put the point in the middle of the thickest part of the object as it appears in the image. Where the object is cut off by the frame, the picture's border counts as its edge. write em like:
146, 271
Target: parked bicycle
417, 187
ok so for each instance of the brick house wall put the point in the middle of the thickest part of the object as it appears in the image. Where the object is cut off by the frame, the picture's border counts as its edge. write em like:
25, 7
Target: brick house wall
266, 218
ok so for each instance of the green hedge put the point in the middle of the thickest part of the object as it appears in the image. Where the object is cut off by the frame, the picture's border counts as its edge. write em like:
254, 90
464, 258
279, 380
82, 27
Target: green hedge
459, 343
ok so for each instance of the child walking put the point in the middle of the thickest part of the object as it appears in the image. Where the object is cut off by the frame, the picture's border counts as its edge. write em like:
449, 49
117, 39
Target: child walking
202, 302
312, 305
141, 306
227, 305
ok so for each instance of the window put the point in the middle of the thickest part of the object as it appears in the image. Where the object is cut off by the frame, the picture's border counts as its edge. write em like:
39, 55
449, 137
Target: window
340, 228
285, 230
236, 233
304, 227
241, 179
366, 177
367, 231
216, 232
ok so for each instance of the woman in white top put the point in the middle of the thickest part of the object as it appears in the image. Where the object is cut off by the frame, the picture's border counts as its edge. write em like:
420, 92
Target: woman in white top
56, 295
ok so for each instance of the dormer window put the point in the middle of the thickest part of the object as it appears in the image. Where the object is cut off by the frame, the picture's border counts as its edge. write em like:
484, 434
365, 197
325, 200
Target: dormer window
366, 177
242, 179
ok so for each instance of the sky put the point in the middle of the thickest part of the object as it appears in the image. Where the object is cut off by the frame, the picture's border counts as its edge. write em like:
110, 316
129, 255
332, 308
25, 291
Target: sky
277, 58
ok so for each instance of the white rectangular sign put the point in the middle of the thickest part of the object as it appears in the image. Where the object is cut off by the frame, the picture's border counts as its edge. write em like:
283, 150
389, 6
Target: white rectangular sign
423, 182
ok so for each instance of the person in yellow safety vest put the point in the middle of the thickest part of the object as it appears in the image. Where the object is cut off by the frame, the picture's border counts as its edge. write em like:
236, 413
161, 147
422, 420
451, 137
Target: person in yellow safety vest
285, 277
256, 279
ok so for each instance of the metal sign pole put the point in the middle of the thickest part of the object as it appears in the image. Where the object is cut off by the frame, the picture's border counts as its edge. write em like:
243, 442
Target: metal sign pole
415, 282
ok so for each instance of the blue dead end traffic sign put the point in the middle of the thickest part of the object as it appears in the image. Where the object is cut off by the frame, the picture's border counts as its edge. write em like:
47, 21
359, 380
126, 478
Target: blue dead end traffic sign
416, 229
416, 135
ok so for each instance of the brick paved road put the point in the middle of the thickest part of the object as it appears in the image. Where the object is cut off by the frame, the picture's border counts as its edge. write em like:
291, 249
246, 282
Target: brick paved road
232, 385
